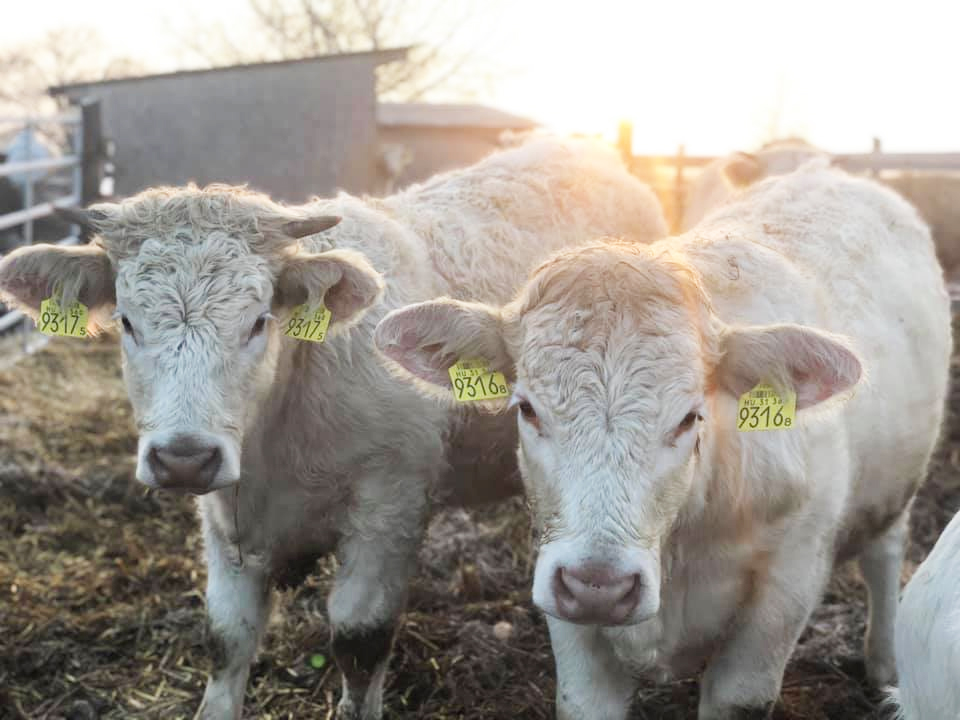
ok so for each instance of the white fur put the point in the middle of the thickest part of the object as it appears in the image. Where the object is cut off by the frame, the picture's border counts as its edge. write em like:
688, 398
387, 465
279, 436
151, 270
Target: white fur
716, 183
815, 281
928, 634
935, 195
334, 451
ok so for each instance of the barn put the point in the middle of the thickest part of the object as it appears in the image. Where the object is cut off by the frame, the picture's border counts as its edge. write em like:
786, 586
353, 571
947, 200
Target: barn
429, 138
292, 129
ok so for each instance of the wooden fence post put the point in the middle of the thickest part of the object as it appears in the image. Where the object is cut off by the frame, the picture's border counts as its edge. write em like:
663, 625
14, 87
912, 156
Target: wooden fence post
625, 142
678, 190
875, 160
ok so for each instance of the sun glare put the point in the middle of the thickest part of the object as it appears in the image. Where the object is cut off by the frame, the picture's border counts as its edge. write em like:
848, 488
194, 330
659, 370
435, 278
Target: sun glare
719, 76
711, 76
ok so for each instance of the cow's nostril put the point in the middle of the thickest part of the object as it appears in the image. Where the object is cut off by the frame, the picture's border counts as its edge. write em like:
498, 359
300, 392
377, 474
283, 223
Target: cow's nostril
153, 459
560, 587
210, 466
596, 593
213, 459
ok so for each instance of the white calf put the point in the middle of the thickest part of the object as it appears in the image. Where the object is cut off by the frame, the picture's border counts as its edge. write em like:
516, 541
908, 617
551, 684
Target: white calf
300, 448
670, 535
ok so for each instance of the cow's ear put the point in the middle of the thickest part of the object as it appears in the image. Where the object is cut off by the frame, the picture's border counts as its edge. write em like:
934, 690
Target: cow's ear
343, 280
30, 275
742, 169
427, 338
814, 364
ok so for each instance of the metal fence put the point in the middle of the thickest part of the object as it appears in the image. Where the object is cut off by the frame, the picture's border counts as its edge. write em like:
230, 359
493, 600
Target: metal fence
79, 129
670, 175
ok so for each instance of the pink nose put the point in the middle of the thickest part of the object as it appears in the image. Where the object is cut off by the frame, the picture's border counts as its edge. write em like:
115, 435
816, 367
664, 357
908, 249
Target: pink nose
595, 594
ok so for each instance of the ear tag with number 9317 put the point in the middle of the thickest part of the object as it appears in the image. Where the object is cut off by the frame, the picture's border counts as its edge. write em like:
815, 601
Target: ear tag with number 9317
63, 322
473, 380
308, 323
763, 408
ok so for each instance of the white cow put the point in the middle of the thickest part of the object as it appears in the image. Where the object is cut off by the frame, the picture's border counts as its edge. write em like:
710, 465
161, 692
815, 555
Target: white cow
669, 539
928, 634
936, 196
298, 449
723, 178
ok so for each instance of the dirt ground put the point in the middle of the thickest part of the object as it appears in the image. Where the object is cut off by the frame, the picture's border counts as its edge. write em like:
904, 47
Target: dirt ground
101, 600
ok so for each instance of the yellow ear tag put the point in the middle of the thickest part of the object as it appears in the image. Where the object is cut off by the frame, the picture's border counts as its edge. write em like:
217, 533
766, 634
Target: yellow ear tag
69, 322
764, 409
473, 380
308, 323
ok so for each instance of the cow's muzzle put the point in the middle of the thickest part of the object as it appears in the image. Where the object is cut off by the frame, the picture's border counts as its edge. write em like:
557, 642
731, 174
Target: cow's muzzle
595, 594
184, 462
591, 584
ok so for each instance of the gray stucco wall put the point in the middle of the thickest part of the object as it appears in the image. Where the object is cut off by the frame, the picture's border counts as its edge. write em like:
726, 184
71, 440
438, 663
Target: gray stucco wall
292, 130
437, 149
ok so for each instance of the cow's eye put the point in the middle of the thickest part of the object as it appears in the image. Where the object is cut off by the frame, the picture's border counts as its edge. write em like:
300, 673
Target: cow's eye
127, 327
528, 413
526, 409
689, 419
258, 326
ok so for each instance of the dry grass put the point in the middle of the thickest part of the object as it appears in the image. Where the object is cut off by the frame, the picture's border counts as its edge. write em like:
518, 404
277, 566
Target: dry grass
101, 609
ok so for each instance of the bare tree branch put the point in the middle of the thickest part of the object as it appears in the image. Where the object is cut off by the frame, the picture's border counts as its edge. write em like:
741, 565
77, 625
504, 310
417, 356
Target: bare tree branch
61, 57
372, 18
290, 29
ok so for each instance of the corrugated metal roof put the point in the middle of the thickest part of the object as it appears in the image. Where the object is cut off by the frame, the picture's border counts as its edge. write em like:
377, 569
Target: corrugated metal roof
447, 115
385, 56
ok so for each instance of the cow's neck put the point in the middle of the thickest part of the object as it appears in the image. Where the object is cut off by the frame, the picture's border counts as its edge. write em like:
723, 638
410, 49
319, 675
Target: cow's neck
732, 497
308, 415
288, 447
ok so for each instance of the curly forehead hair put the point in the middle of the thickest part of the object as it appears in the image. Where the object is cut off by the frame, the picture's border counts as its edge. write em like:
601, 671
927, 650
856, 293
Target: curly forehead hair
633, 277
194, 212
616, 270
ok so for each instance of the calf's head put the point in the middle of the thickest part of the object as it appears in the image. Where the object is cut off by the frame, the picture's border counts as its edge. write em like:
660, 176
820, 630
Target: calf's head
195, 279
618, 365
724, 178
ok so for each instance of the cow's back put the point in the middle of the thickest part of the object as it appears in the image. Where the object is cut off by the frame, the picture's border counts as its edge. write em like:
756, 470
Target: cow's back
487, 226
822, 248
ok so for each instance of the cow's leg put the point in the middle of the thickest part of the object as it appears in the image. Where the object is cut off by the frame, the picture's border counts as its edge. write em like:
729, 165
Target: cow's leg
238, 604
742, 679
880, 564
368, 597
591, 681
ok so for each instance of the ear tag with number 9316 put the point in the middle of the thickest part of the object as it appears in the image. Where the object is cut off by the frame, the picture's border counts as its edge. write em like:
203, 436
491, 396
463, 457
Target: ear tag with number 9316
63, 322
473, 380
763, 408
308, 323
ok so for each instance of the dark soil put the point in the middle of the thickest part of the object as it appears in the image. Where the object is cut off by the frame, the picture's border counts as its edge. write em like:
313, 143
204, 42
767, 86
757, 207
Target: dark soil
101, 587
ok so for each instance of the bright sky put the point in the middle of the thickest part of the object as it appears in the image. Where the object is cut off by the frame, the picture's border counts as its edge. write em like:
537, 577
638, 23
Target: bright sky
715, 76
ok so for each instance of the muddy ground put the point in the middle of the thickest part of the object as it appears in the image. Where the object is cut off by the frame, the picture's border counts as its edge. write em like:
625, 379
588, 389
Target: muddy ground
101, 604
